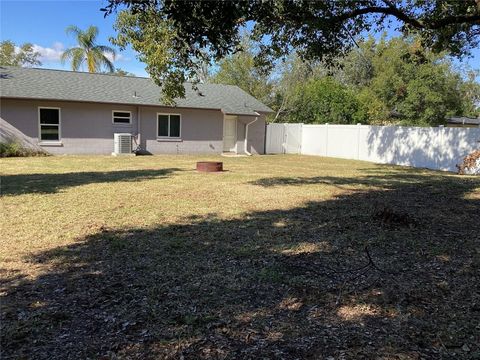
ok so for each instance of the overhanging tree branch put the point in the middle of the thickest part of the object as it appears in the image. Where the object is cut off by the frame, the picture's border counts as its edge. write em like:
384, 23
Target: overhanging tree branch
393, 11
316, 29
400, 15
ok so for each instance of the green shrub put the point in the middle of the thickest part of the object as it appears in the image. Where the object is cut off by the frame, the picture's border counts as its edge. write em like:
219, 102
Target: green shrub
326, 100
15, 149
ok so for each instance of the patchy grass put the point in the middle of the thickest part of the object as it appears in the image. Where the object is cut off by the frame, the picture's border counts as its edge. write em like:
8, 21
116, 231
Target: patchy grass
278, 257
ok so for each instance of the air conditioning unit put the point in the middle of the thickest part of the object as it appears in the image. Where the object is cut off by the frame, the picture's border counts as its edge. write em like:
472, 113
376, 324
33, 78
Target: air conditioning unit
122, 144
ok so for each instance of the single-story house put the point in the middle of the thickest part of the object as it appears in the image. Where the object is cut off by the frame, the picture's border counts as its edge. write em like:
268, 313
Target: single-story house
463, 121
68, 112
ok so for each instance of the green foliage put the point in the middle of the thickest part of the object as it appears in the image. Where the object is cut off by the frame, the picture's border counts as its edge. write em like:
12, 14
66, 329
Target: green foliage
374, 109
429, 97
239, 69
10, 149
470, 93
174, 37
357, 68
380, 83
156, 42
11, 55
15, 149
419, 86
88, 51
385, 82
325, 100
292, 75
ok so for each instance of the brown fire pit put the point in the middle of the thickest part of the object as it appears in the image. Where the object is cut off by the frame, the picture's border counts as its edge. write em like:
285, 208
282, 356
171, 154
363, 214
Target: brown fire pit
209, 166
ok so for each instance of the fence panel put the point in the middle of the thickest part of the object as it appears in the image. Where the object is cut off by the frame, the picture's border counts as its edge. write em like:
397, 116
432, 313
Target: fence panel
275, 139
315, 140
425, 147
284, 139
293, 138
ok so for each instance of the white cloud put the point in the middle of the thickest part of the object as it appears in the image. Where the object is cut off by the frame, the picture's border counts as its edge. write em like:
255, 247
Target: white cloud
118, 57
50, 53
54, 53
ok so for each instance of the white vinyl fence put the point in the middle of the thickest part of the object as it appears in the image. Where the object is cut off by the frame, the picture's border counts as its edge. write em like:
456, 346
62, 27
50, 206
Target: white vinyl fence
284, 138
424, 147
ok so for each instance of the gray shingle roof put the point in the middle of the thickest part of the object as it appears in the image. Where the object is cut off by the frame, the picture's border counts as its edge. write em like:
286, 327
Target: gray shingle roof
30, 83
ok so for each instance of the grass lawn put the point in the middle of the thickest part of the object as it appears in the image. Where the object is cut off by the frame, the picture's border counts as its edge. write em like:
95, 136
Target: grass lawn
290, 257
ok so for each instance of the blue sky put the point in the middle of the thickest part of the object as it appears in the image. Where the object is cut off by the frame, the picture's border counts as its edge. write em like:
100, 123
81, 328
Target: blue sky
43, 23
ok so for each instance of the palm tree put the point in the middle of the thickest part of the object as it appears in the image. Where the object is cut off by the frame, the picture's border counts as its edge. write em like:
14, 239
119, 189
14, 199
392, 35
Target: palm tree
87, 50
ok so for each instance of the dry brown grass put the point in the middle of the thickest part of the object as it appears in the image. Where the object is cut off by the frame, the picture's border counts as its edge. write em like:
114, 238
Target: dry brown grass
143, 257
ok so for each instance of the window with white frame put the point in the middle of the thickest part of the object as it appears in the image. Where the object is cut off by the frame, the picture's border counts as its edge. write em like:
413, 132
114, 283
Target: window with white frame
168, 126
49, 124
121, 117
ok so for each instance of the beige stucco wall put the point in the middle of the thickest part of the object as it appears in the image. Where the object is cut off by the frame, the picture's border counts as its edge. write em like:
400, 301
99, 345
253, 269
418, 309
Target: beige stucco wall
201, 131
256, 134
87, 128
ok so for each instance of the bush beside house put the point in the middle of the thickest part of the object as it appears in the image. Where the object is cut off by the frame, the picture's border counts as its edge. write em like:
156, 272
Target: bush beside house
15, 143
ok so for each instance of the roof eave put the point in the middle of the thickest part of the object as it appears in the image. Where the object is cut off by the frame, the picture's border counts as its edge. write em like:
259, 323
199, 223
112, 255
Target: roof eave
108, 102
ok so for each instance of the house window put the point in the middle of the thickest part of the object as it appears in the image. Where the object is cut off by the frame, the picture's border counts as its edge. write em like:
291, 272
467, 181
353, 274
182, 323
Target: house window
49, 120
121, 117
168, 126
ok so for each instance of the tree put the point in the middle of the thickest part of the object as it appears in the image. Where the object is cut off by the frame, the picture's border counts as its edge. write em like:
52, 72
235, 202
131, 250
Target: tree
401, 81
25, 55
417, 84
470, 94
179, 32
356, 67
151, 37
325, 100
395, 81
292, 75
239, 69
88, 51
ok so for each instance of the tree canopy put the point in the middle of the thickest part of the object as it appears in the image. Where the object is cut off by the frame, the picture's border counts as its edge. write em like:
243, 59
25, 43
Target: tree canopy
88, 51
395, 81
24, 55
173, 37
386, 81
239, 69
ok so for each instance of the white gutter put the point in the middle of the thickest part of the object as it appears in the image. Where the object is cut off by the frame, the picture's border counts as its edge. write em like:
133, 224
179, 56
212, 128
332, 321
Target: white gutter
246, 135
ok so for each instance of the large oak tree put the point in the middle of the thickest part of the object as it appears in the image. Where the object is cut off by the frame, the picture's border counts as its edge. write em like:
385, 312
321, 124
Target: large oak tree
173, 37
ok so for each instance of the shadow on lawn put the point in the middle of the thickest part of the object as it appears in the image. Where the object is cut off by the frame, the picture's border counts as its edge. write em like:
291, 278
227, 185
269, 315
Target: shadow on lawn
288, 284
52, 183
379, 176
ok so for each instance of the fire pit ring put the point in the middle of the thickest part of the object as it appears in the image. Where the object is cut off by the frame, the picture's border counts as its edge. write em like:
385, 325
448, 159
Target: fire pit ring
209, 166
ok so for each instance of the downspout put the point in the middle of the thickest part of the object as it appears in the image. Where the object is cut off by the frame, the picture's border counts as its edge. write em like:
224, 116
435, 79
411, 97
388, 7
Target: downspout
246, 135
139, 128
